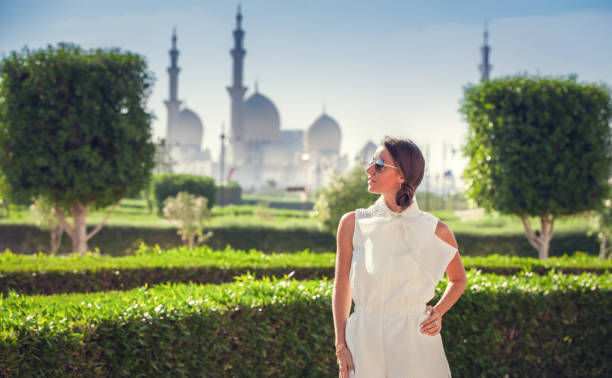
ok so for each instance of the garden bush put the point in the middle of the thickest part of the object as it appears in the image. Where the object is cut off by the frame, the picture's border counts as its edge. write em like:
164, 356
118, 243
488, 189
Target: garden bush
553, 325
170, 184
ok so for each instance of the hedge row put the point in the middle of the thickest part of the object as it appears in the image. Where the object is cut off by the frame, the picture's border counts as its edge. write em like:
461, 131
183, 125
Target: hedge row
117, 241
554, 325
155, 257
43, 274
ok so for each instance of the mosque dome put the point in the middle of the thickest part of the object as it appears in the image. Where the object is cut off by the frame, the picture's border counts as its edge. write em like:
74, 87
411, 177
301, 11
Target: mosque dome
324, 135
367, 151
189, 129
260, 118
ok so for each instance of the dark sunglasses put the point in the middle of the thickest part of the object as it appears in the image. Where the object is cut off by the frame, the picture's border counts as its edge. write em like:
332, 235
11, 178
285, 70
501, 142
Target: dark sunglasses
379, 165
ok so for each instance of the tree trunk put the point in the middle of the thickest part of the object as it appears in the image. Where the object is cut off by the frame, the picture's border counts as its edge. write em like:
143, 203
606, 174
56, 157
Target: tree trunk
603, 247
78, 233
56, 239
79, 239
540, 240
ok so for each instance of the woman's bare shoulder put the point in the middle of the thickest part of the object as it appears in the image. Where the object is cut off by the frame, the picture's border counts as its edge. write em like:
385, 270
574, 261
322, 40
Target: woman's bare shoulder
346, 225
444, 232
347, 220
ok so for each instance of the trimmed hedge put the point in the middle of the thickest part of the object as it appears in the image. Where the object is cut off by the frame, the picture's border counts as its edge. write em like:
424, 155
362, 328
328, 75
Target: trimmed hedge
117, 241
52, 275
554, 325
170, 184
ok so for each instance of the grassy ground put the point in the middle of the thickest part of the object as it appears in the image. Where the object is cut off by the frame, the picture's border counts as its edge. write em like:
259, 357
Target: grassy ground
497, 224
134, 212
276, 197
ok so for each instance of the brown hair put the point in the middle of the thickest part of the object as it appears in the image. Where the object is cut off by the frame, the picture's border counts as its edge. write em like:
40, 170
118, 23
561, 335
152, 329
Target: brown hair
411, 163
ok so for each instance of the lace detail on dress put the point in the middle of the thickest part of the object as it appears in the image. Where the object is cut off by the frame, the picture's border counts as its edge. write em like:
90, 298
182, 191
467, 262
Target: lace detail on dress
357, 236
379, 209
364, 213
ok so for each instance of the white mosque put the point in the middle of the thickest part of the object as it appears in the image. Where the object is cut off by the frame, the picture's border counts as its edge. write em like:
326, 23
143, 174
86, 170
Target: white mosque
261, 152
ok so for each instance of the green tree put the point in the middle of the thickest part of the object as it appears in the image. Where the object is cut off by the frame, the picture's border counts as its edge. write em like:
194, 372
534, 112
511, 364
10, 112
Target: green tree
191, 214
345, 193
538, 147
74, 129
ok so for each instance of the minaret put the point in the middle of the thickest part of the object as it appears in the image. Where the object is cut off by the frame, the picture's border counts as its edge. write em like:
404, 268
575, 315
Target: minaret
173, 103
222, 157
236, 92
485, 67
222, 167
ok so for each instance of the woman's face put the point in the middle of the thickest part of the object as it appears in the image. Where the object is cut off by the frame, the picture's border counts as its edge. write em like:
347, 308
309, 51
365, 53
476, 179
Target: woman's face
389, 180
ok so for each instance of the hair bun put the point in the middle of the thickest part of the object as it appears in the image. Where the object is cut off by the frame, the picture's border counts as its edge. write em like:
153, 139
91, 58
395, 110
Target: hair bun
404, 195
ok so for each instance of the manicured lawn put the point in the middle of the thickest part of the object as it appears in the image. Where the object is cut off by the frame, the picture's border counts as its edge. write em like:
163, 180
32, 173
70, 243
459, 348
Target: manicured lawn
134, 212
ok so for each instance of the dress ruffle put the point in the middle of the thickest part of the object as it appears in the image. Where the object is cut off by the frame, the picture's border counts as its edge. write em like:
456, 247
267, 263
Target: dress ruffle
412, 230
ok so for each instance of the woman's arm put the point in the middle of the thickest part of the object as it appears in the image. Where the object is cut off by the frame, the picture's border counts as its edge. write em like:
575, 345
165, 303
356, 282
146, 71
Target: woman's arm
454, 270
341, 299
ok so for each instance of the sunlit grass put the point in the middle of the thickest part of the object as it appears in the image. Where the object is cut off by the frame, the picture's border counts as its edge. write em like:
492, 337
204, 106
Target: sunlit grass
508, 224
134, 212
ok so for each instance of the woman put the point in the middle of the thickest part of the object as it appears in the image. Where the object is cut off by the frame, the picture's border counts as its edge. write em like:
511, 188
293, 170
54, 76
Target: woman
390, 257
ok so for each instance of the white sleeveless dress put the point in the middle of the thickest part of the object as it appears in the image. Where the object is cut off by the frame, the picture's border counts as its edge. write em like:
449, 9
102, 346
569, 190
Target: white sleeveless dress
397, 262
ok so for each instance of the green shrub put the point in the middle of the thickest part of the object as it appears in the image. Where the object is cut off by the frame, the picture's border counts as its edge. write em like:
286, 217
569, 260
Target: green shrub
169, 185
191, 214
552, 325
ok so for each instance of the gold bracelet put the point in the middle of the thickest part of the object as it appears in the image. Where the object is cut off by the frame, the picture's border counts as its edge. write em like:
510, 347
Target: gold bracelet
339, 348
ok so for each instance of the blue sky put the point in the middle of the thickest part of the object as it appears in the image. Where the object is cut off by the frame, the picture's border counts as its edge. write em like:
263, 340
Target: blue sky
379, 67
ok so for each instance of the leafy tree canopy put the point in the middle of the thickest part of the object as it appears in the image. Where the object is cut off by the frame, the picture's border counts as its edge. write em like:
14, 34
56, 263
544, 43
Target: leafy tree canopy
537, 145
73, 125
